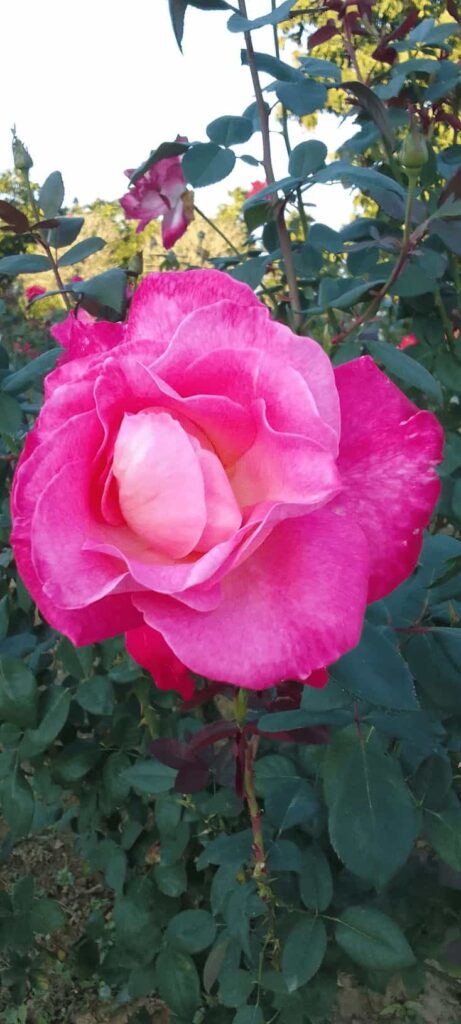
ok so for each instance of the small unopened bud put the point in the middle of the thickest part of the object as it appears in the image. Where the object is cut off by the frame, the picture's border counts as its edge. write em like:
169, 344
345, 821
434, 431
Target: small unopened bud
413, 152
21, 156
135, 265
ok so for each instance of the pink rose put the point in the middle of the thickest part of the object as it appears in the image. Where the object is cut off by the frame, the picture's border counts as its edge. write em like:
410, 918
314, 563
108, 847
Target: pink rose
407, 341
161, 192
202, 479
256, 186
76, 279
34, 291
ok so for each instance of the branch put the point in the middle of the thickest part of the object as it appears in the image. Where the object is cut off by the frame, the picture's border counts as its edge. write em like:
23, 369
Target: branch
284, 237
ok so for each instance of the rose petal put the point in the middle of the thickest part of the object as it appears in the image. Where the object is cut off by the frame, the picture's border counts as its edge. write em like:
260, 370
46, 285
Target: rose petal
163, 300
388, 452
161, 488
295, 606
149, 649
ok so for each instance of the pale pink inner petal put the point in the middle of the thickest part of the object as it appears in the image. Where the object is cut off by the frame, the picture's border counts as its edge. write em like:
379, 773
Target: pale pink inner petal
161, 489
223, 513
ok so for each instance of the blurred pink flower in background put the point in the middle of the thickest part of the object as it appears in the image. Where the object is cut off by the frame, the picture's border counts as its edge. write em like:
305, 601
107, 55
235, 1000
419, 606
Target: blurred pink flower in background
407, 341
161, 192
256, 186
33, 291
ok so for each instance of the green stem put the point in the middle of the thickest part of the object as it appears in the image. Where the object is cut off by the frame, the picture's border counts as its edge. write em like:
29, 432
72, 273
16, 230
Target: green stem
45, 246
444, 316
412, 180
286, 137
282, 230
218, 232
259, 855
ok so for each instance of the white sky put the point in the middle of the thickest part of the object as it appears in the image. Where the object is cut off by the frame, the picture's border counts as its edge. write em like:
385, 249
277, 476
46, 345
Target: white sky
93, 87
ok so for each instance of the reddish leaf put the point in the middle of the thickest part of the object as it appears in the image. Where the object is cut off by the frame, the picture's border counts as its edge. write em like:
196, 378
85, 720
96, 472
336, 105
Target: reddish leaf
192, 778
169, 752
323, 34
453, 9
211, 734
406, 26
50, 223
452, 189
385, 54
451, 119
202, 696
13, 217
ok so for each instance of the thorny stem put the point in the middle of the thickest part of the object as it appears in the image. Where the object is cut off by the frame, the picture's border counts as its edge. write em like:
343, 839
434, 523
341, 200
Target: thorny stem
409, 243
444, 316
350, 50
259, 856
45, 246
284, 237
286, 136
218, 231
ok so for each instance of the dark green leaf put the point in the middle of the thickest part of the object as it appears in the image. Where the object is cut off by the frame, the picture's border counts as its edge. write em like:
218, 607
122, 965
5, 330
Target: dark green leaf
205, 163
51, 196
303, 952
81, 251
25, 263
163, 152
191, 931
370, 102
290, 803
17, 801
237, 23
150, 777
54, 718
351, 175
107, 290
171, 879
406, 369
230, 131
444, 832
249, 1015
96, 695
250, 272
323, 237
18, 693
10, 415
302, 98
234, 987
373, 940
273, 67
67, 231
74, 761
47, 917
376, 672
32, 373
315, 881
373, 821
178, 983
306, 158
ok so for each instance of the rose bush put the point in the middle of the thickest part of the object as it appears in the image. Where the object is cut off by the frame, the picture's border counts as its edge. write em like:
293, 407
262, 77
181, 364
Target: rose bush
202, 479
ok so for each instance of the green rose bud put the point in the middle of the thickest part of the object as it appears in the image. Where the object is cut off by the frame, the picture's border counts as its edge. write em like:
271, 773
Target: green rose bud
21, 156
413, 152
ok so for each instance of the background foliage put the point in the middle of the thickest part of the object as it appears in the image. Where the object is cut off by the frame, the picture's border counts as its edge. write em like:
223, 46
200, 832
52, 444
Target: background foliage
358, 784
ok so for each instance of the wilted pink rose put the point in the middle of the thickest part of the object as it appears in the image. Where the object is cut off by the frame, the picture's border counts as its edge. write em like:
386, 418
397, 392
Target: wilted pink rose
256, 186
34, 291
161, 192
407, 341
202, 479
